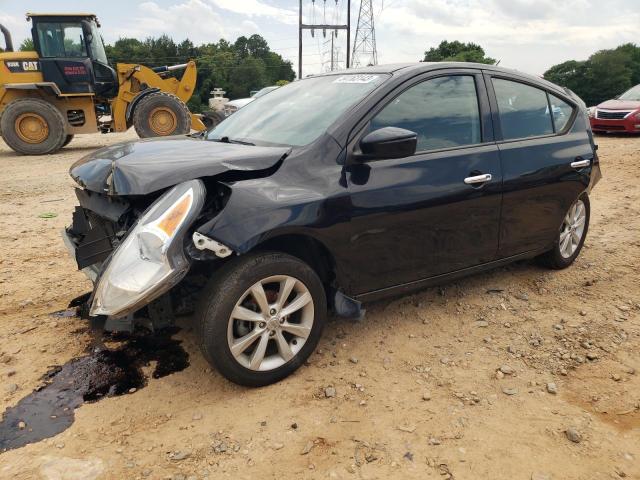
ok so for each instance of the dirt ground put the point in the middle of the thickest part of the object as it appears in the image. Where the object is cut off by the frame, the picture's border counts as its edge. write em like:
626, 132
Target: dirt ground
419, 391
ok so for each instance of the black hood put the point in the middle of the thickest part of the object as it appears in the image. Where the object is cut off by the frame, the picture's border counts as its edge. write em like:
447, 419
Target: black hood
142, 167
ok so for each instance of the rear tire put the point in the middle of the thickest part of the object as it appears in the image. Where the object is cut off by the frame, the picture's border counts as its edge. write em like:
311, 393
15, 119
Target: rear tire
212, 119
161, 114
33, 126
571, 236
290, 328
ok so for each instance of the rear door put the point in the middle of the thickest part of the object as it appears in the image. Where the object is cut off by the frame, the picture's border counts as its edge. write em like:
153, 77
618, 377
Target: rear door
539, 141
428, 214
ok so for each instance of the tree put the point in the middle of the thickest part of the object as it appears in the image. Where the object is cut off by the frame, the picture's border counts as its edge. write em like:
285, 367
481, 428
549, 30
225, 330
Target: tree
239, 67
604, 75
457, 52
27, 45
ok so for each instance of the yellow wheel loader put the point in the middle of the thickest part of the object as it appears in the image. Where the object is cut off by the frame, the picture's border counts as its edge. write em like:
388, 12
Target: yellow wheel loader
67, 87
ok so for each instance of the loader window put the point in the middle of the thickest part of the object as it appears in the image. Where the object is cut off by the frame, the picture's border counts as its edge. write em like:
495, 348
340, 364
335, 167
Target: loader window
61, 40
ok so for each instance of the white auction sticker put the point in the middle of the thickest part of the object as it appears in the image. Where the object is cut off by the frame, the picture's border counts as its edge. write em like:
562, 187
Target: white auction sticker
356, 79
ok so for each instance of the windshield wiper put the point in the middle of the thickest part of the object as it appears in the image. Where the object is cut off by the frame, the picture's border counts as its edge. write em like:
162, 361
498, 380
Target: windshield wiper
232, 140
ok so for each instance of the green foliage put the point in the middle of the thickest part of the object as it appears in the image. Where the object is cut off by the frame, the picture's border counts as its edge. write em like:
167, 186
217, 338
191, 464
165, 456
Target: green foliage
239, 67
605, 75
27, 45
457, 52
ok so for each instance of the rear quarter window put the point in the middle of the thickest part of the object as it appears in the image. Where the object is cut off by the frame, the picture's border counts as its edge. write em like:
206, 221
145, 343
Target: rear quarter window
562, 112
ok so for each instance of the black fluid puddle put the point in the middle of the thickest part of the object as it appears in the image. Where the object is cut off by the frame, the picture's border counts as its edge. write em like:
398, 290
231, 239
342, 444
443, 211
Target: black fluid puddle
49, 410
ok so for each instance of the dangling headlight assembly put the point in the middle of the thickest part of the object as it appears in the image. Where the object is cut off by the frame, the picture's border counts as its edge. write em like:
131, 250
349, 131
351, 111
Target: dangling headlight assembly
151, 258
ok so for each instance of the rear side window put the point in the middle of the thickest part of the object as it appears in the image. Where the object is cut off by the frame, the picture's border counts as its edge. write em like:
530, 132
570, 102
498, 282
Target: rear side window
523, 110
561, 111
443, 112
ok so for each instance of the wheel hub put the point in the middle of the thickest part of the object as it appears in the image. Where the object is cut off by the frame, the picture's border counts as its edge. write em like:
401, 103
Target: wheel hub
279, 314
163, 121
273, 324
31, 128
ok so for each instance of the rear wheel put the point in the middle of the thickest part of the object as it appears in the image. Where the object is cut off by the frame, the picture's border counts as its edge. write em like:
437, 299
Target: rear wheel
161, 114
211, 118
32, 126
260, 317
571, 236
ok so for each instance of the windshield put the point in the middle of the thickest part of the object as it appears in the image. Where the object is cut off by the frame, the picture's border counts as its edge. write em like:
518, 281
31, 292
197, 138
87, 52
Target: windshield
264, 91
633, 94
297, 113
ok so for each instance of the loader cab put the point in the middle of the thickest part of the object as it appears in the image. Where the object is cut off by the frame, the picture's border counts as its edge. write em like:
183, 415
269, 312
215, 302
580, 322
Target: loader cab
72, 53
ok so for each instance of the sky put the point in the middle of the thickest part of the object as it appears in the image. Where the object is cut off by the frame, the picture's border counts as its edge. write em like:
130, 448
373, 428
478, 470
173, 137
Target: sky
529, 35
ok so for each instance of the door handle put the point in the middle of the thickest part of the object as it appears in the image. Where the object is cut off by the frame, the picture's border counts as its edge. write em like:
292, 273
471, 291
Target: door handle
478, 179
580, 163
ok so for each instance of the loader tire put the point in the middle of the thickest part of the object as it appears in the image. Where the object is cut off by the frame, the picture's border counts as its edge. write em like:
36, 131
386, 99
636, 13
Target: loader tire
67, 140
33, 126
212, 119
161, 114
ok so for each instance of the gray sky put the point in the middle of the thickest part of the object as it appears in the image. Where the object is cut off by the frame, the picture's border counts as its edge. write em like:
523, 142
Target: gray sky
530, 35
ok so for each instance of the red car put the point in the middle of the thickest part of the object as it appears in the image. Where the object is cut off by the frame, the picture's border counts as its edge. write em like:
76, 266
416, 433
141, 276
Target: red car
619, 115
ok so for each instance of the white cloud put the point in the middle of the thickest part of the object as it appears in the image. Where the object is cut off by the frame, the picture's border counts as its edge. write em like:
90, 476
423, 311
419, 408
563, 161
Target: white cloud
526, 34
18, 28
193, 19
257, 8
249, 27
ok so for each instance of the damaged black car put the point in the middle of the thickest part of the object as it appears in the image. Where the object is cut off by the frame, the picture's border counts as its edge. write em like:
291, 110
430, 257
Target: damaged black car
331, 191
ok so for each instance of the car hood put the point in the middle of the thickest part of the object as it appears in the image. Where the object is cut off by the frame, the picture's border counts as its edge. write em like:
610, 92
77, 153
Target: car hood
620, 105
142, 167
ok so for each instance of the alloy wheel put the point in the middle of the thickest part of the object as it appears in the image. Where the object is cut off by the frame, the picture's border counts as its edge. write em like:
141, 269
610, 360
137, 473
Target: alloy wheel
572, 229
270, 323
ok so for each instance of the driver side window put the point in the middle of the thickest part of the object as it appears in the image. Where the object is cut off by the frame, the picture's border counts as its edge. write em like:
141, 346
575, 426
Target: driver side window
443, 111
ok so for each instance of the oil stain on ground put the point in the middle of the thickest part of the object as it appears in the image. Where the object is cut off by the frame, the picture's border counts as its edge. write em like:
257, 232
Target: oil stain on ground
49, 410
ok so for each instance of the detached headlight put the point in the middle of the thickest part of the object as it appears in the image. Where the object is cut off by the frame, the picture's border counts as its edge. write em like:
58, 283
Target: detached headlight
151, 259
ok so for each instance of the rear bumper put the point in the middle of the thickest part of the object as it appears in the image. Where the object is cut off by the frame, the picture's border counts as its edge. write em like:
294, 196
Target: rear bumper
627, 125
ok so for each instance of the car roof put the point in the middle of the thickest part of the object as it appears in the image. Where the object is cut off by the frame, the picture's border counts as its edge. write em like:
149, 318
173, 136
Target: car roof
410, 69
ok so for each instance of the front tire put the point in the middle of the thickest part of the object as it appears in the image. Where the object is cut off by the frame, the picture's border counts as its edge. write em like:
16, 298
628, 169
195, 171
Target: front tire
571, 236
67, 140
260, 317
33, 126
161, 114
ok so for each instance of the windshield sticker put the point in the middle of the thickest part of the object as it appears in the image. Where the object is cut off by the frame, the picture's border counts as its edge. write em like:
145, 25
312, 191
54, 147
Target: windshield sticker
356, 79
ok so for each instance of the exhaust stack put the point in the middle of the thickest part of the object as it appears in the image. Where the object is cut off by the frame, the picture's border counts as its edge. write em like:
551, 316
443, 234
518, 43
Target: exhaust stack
7, 39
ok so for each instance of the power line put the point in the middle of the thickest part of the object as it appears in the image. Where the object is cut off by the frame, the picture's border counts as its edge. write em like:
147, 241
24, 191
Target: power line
324, 27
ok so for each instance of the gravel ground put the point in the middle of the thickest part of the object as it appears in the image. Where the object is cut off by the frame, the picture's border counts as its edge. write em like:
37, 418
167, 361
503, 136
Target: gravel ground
520, 373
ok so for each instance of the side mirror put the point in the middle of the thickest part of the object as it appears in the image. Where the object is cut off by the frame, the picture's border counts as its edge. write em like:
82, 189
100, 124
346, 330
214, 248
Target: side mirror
387, 143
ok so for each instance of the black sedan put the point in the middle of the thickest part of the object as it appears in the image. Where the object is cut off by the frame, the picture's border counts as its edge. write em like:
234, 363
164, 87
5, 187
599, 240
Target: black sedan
332, 191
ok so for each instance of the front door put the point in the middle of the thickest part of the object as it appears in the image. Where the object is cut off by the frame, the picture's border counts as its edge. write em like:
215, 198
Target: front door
437, 211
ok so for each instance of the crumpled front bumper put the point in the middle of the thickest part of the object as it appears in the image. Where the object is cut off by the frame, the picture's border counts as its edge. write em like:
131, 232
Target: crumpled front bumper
92, 271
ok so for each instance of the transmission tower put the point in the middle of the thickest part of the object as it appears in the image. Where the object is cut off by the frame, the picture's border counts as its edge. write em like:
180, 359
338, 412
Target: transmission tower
364, 47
